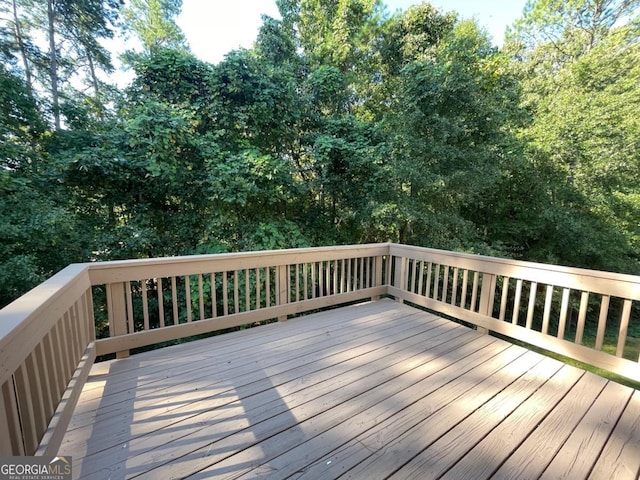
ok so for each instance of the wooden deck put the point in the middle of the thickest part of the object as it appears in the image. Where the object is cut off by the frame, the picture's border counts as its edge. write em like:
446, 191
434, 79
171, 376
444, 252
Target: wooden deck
376, 390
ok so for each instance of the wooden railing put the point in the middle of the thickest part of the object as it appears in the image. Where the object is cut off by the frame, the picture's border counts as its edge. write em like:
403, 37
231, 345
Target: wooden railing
46, 352
154, 301
48, 341
581, 314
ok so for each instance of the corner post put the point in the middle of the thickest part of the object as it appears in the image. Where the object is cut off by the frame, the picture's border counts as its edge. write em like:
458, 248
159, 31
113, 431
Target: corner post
117, 312
487, 297
400, 275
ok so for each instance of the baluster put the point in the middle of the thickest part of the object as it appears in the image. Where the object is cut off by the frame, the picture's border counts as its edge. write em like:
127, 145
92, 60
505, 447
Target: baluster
11, 437
624, 326
258, 281
187, 294
503, 298
474, 291
326, 275
174, 301
305, 280
160, 303
563, 312
454, 287
436, 281
282, 287
201, 296
445, 284
247, 289
602, 321
145, 304
516, 302
214, 296
225, 295
236, 292
532, 304
548, 299
465, 286
584, 302
129, 307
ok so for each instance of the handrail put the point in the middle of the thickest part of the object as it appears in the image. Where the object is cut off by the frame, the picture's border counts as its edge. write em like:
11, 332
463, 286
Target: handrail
48, 341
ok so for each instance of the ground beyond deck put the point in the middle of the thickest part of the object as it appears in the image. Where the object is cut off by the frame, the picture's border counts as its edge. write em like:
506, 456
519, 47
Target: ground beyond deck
376, 390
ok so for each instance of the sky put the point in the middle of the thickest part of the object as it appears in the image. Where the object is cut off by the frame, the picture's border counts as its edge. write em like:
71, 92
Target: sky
215, 27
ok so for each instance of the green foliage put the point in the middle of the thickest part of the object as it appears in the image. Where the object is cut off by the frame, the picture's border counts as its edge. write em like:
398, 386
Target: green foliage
412, 36
39, 236
571, 27
578, 65
20, 123
56, 46
153, 22
39, 233
453, 135
336, 32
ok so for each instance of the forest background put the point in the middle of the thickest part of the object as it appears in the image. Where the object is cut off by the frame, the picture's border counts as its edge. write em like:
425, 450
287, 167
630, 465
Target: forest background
343, 124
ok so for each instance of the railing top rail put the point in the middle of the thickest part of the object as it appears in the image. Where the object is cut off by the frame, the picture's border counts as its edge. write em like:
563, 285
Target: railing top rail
39, 298
124, 270
596, 281
25, 321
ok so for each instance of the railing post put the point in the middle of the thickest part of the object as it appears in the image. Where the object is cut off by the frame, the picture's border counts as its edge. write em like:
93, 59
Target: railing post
400, 277
117, 313
487, 296
282, 287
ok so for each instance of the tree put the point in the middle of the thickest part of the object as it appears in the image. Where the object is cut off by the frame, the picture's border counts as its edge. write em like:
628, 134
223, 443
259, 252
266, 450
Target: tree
411, 36
578, 66
570, 27
258, 108
22, 46
20, 124
453, 136
58, 44
153, 23
86, 22
165, 136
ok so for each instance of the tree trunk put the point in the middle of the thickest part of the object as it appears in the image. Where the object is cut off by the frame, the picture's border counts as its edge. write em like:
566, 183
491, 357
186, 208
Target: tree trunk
23, 49
96, 86
92, 71
53, 64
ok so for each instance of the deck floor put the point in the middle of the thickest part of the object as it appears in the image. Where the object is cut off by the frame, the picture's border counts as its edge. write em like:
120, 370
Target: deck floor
375, 390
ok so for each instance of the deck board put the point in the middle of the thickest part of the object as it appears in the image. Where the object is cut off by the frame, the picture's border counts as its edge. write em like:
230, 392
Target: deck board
375, 390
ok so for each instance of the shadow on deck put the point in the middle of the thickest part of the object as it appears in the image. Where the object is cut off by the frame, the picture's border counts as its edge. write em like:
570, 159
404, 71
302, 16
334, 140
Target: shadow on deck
373, 390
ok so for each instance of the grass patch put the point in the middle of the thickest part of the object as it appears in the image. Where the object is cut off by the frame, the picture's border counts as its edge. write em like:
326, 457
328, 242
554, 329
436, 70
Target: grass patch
632, 349
575, 363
